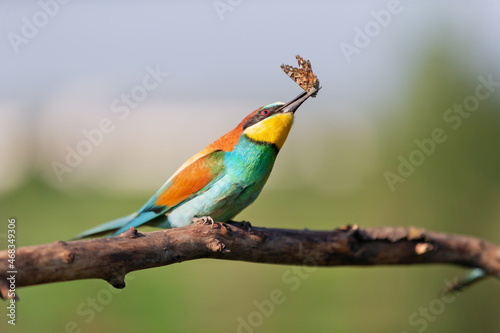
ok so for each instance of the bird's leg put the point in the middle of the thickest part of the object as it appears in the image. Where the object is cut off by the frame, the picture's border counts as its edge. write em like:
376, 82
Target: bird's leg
204, 220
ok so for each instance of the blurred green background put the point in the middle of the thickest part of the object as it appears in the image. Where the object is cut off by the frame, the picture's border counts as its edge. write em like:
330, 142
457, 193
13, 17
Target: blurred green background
222, 64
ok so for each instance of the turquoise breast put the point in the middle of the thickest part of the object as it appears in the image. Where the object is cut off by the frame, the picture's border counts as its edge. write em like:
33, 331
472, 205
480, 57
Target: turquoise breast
248, 167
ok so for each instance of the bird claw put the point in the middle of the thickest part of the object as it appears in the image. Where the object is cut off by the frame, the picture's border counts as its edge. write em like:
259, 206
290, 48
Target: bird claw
247, 225
204, 220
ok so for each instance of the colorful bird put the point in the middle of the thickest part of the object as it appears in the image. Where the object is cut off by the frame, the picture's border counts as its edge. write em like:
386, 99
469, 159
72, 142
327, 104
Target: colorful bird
222, 179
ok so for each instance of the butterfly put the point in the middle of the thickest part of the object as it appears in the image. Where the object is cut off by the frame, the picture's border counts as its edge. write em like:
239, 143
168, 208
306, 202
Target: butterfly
303, 75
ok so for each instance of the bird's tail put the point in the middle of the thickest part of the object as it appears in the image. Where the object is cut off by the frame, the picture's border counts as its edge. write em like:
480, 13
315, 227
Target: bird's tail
107, 227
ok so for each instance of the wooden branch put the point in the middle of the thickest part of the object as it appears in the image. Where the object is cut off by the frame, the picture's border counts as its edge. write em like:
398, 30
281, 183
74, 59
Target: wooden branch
112, 258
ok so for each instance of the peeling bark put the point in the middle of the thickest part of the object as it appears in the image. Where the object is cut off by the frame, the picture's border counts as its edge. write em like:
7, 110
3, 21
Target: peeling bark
112, 258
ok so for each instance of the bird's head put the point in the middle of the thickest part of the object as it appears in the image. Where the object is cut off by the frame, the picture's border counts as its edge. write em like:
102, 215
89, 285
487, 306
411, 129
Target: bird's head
271, 124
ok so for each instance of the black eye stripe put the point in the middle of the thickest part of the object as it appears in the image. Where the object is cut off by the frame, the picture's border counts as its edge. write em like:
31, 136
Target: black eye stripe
259, 116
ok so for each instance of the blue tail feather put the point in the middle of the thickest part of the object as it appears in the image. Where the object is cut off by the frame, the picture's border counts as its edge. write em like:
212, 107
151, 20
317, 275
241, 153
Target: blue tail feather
151, 217
138, 220
113, 225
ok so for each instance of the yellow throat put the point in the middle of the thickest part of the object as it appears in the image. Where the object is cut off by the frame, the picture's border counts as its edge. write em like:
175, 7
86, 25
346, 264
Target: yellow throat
273, 130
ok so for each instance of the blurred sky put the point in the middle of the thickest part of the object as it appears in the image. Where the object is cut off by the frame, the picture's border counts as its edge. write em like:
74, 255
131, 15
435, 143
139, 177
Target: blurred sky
65, 75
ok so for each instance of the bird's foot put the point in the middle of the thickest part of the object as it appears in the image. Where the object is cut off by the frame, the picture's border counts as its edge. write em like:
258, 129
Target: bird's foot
245, 224
204, 220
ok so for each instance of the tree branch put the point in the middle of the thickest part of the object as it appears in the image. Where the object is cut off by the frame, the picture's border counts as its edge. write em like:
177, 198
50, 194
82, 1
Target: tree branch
112, 258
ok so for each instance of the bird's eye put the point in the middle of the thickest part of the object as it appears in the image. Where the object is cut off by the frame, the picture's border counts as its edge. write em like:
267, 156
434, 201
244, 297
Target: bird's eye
264, 112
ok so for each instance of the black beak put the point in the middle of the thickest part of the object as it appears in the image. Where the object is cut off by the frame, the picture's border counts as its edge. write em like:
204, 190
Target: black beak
294, 104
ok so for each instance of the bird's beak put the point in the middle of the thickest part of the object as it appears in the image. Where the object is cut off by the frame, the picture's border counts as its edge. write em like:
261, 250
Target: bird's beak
294, 104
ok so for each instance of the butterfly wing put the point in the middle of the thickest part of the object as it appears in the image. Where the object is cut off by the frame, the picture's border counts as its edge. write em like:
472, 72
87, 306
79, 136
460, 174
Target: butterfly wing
303, 75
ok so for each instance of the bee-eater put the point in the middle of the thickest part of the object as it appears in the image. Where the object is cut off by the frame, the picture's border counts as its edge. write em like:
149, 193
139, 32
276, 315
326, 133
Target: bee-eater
222, 179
